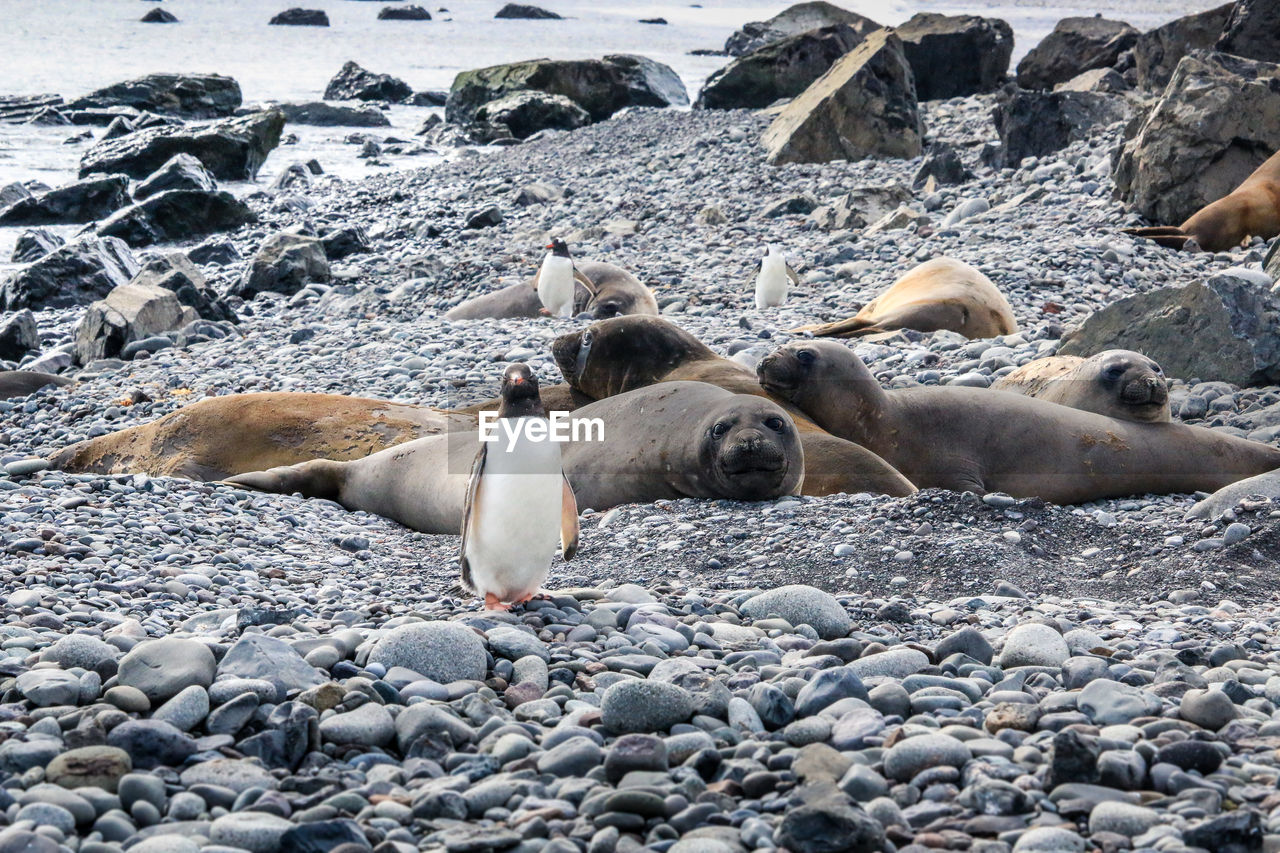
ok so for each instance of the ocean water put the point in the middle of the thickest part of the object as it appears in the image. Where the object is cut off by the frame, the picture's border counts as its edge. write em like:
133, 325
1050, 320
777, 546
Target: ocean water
70, 47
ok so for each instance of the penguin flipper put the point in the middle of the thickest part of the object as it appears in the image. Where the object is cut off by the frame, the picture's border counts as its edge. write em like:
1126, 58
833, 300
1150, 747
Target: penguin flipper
568, 521
582, 279
468, 513
791, 274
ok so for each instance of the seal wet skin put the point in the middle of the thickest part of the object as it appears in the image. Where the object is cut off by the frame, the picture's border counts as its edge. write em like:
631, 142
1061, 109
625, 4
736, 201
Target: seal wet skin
979, 440
617, 293
21, 383
1117, 383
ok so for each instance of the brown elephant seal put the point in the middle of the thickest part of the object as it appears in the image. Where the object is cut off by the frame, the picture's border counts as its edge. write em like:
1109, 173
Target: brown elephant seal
21, 383
676, 440
221, 436
618, 355
1250, 210
618, 293
939, 294
978, 440
1117, 383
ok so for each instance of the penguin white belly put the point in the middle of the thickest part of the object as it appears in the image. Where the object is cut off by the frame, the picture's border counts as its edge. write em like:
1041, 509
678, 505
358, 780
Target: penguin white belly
771, 283
556, 285
516, 524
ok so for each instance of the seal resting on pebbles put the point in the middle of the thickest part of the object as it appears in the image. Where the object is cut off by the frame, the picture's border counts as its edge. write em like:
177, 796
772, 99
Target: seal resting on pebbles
1118, 383
618, 293
20, 383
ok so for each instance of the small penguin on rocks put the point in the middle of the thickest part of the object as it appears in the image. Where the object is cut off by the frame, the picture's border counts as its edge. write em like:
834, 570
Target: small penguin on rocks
518, 501
772, 277
556, 281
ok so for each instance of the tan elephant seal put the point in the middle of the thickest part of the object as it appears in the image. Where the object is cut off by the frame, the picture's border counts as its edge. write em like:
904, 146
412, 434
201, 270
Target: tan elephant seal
979, 440
1118, 383
21, 383
943, 293
618, 293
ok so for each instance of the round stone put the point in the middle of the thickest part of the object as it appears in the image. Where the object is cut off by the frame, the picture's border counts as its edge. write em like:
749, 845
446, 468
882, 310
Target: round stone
256, 832
801, 605
164, 668
238, 776
89, 766
131, 700
645, 706
441, 651
1208, 709
1122, 818
908, 757
368, 725
1034, 644
80, 650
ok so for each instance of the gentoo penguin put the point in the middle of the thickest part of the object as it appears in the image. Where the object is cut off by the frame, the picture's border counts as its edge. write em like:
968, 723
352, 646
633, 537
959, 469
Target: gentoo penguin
555, 281
517, 500
771, 278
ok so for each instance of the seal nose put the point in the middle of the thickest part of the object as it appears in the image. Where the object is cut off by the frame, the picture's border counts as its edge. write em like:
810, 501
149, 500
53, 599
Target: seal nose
750, 439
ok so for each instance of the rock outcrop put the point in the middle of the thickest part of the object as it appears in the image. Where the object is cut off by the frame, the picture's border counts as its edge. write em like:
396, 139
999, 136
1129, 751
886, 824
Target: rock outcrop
1157, 52
522, 114
284, 264
780, 69
75, 274
953, 56
1033, 124
1253, 30
85, 200
1075, 45
353, 83
186, 95
181, 172
231, 149
800, 18
132, 312
177, 215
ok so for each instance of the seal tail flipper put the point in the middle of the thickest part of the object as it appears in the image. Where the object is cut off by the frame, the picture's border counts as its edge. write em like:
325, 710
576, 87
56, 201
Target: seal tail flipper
1168, 236
568, 521
582, 279
319, 478
846, 328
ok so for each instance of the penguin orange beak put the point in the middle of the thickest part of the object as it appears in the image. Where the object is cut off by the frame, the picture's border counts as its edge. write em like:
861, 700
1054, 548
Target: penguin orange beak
549, 246
517, 380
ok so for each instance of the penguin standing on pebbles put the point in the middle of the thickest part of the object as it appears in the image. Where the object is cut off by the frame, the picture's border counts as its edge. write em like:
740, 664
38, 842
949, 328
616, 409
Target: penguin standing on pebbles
518, 501
557, 280
773, 274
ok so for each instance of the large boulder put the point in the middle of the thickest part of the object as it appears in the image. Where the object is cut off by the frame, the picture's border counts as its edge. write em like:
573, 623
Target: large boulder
1253, 30
1157, 52
186, 95
18, 335
865, 106
159, 16
953, 56
522, 114
232, 149
518, 11
83, 201
300, 18
177, 215
1033, 124
76, 274
794, 20
131, 312
1221, 330
34, 243
780, 69
353, 83
404, 13
175, 272
1217, 121
333, 115
181, 172
1075, 45
599, 86
285, 264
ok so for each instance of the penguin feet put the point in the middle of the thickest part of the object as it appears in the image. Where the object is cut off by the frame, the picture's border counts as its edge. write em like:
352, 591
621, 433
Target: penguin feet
544, 312
492, 602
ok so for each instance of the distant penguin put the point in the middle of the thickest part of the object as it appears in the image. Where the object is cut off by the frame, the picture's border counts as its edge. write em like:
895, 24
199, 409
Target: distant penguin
772, 278
555, 281
518, 502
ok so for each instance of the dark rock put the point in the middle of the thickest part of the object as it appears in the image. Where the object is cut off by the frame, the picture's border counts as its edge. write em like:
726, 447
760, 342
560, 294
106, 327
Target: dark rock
522, 114
15, 108
34, 244
300, 18
780, 69
1240, 831
404, 13
1217, 121
344, 241
354, 83
833, 824
1252, 31
800, 18
322, 836
485, 218
232, 149
865, 106
966, 641
1075, 45
177, 273
1198, 755
85, 200
1033, 124
186, 95
49, 117
284, 264
1157, 52
943, 165
152, 743
18, 335
182, 172
216, 252
159, 16
131, 312
635, 752
75, 274
428, 99
120, 126
599, 86
519, 11
292, 730
1071, 759
953, 56
293, 176
333, 115
659, 21
177, 215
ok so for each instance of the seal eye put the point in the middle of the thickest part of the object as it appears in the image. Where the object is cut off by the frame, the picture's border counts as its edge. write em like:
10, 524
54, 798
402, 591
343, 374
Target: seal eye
1115, 372
608, 309
805, 356
775, 424
719, 430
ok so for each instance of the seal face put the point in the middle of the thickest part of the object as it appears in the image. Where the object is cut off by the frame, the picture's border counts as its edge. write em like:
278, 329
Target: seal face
616, 355
1117, 383
1136, 381
748, 446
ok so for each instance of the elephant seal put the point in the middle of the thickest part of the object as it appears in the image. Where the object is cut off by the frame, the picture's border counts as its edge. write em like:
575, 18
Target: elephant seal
1117, 383
21, 383
614, 356
1250, 210
978, 440
221, 436
1265, 486
939, 294
618, 293
669, 441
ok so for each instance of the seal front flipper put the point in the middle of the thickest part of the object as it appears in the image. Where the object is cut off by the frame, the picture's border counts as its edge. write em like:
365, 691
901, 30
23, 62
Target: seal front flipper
319, 478
469, 515
793, 275
568, 521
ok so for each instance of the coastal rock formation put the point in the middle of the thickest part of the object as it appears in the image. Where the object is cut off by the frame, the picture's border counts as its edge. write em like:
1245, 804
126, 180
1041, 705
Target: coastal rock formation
185, 95
953, 56
780, 69
232, 149
1075, 45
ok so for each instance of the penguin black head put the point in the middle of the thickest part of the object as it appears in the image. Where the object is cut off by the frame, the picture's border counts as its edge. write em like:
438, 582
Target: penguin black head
520, 397
558, 247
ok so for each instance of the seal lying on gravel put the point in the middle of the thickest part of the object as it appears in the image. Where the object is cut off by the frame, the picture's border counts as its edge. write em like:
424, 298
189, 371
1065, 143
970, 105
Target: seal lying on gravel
940, 294
1118, 383
618, 293
221, 436
615, 356
977, 440
20, 383
1250, 210
676, 440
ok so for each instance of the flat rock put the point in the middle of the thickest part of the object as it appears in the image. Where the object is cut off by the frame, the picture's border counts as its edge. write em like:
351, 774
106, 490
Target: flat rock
232, 149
